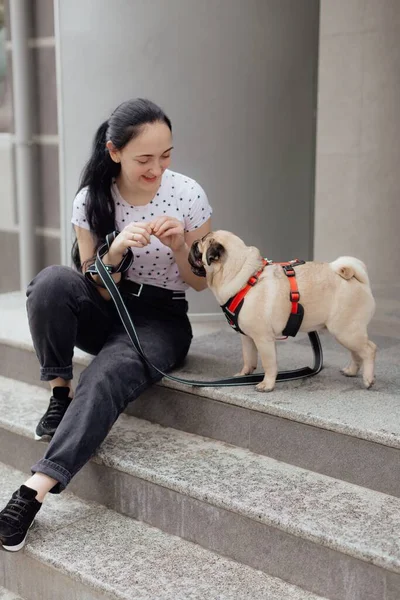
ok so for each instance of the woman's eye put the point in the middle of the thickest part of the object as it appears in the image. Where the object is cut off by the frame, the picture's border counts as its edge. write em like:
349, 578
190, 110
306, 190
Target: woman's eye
146, 160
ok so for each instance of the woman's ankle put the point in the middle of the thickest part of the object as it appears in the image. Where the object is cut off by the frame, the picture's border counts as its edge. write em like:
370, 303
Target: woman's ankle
60, 382
42, 484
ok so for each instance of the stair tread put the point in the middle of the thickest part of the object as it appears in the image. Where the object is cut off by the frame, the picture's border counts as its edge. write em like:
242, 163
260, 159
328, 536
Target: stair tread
328, 401
124, 558
342, 516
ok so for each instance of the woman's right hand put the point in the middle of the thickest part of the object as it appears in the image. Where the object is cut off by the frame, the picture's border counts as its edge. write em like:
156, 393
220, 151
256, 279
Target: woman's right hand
134, 235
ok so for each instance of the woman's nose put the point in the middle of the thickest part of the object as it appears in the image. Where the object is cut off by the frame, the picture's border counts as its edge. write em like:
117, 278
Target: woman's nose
156, 168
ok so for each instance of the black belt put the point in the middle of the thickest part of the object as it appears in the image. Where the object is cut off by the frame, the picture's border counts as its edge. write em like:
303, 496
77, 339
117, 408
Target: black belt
145, 291
126, 319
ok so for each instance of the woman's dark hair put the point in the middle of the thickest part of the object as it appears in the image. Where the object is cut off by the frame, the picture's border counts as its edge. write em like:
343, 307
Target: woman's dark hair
123, 126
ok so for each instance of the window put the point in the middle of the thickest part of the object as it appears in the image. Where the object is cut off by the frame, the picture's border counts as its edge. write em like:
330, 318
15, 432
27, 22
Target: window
5, 76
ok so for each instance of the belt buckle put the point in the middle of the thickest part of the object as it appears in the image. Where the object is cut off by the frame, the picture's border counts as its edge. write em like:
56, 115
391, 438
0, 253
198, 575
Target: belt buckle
139, 292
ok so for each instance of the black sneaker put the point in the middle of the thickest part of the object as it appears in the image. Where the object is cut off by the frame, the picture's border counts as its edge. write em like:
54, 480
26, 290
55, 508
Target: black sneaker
51, 419
17, 518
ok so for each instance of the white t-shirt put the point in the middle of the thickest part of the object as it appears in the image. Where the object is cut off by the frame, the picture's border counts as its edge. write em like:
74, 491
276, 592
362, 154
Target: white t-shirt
178, 196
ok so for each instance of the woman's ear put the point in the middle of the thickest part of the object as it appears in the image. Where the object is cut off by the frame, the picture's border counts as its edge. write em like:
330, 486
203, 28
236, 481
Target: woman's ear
114, 153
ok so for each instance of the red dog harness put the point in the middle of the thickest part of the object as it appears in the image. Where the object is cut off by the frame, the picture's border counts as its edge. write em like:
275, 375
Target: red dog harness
233, 306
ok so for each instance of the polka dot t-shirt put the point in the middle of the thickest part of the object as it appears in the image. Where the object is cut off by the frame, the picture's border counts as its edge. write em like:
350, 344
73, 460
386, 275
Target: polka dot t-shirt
178, 196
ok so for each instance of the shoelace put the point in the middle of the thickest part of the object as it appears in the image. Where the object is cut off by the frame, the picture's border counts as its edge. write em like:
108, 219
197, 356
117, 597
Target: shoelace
56, 410
15, 508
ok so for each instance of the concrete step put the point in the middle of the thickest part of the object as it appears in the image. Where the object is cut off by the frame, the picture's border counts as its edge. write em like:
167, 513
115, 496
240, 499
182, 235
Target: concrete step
330, 537
80, 550
327, 424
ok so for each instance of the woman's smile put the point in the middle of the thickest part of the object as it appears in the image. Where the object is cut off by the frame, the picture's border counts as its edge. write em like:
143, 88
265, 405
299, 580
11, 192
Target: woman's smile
150, 179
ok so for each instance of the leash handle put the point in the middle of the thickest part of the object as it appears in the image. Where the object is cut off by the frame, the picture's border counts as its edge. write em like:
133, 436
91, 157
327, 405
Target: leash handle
125, 317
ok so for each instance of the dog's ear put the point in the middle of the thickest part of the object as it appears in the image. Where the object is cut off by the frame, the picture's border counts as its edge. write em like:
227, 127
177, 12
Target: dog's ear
214, 252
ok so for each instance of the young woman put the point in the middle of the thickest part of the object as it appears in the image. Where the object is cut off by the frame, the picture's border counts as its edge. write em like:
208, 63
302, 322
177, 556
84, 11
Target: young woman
156, 213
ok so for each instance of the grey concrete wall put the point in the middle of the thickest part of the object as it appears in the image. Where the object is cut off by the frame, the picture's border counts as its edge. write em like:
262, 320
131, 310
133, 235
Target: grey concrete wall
357, 207
238, 79
42, 45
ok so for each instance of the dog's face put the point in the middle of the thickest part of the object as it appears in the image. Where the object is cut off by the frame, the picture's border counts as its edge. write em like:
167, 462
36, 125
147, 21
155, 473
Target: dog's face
206, 252
225, 260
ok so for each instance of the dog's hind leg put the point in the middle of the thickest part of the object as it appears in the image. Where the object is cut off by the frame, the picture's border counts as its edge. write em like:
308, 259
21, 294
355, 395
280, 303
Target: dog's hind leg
368, 356
362, 350
353, 368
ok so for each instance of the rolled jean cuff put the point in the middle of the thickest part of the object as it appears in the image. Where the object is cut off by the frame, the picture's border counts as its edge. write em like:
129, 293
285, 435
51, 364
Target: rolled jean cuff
49, 373
51, 469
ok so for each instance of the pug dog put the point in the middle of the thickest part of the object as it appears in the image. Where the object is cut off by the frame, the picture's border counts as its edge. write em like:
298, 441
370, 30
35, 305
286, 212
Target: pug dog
336, 296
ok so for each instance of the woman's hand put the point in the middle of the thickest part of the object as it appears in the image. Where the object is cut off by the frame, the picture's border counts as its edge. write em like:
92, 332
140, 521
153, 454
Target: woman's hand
170, 232
134, 235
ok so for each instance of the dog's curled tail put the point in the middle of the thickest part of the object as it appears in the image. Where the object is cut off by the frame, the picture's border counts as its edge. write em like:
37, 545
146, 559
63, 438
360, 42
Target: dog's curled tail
348, 267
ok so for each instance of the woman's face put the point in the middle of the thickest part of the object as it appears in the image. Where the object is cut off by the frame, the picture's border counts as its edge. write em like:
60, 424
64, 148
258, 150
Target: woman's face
145, 158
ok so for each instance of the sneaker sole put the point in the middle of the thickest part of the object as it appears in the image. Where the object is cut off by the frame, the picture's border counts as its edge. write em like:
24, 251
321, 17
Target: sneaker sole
18, 546
43, 438
15, 548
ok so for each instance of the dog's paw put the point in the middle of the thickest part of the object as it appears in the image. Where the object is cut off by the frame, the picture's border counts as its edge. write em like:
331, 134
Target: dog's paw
265, 387
245, 371
349, 372
368, 382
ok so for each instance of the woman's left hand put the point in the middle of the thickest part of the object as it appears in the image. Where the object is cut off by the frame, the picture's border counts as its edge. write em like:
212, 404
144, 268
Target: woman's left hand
170, 232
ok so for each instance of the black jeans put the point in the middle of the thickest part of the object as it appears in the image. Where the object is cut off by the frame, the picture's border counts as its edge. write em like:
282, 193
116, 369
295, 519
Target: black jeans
66, 310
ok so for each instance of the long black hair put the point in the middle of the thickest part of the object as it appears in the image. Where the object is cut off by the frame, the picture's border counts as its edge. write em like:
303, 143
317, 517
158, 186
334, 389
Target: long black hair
125, 124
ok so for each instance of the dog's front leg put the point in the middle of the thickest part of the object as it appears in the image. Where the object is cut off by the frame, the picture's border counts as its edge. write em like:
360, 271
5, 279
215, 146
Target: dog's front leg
267, 350
249, 350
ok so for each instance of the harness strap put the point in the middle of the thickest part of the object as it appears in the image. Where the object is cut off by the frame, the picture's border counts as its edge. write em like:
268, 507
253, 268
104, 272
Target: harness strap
234, 303
297, 312
127, 322
294, 290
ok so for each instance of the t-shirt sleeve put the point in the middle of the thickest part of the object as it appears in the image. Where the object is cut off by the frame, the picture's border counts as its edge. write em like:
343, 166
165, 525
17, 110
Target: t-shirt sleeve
199, 209
79, 210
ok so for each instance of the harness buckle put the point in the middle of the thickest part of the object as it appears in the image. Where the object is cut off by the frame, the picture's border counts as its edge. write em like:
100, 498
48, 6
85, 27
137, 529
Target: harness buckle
253, 280
289, 271
295, 296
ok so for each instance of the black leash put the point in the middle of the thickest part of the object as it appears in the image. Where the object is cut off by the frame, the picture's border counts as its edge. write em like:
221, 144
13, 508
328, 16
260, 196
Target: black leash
125, 317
